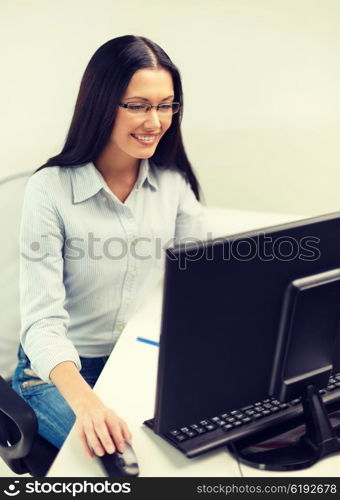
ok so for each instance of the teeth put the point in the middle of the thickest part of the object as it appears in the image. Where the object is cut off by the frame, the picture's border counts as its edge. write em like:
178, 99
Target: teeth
145, 138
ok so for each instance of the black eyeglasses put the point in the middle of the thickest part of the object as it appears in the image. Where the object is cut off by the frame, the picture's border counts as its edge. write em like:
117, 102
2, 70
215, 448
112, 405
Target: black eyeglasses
169, 108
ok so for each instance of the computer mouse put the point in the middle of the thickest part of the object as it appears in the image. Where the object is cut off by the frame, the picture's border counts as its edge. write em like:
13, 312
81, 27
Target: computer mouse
120, 464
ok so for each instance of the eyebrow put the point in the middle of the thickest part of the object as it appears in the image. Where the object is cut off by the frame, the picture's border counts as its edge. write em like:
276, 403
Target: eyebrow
147, 100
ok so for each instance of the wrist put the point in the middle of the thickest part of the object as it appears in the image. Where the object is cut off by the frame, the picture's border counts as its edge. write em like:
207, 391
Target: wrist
85, 400
73, 387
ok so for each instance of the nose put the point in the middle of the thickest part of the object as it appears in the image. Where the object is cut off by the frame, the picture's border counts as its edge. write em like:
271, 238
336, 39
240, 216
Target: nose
152, 120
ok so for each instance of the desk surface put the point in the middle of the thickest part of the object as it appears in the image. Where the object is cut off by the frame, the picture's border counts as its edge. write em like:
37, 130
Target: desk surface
128, 383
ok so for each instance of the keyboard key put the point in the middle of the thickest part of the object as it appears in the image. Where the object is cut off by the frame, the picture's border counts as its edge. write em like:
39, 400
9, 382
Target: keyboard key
174, 433
257, 416
225, 415
237, 423
332, 380
204, 422
275, 402
246, 420
185, 429
295, 402
180, 438
259, 408
193, 426
220, 423
214, 419
274, 409
331, 387
337, 376
337, 383
283, 406
239, 416
227, 427
191, 434
210, 427
267, 412
267, 405
200, 430
250, 412
230, 420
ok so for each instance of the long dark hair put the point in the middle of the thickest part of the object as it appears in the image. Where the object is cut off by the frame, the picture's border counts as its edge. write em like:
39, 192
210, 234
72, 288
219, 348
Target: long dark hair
104, 82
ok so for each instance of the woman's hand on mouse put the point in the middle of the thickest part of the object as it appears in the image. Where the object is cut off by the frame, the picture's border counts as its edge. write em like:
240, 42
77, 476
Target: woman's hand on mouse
100, 429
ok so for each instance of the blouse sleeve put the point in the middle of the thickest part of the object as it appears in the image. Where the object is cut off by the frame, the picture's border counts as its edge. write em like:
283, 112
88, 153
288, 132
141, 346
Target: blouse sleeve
44, 320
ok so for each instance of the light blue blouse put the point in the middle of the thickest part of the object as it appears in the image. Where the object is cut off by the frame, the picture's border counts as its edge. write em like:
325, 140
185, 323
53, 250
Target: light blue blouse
87, 260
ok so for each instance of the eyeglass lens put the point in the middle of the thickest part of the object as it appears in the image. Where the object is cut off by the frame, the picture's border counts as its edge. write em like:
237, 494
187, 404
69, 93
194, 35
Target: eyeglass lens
167, 108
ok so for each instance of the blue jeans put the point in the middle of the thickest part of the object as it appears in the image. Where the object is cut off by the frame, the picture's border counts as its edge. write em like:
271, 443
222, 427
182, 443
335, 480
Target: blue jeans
55, 417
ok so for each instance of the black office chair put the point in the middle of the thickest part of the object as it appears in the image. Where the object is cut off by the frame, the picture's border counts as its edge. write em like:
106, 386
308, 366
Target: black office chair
21, 447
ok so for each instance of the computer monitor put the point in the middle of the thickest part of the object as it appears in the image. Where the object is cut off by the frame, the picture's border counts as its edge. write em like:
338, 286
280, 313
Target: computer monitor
231, 330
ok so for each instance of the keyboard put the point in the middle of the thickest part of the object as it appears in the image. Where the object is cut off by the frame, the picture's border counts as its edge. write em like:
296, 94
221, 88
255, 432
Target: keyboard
215, 431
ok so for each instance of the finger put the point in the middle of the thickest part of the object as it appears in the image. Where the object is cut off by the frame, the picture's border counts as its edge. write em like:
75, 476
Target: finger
116, 433
83, 440
125, 431
92, 440
104, 437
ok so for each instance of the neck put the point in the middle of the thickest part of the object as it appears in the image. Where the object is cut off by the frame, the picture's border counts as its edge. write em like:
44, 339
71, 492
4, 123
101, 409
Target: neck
116, 165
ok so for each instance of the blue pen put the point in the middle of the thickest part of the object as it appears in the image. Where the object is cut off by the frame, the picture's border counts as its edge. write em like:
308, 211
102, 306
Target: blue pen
147, 341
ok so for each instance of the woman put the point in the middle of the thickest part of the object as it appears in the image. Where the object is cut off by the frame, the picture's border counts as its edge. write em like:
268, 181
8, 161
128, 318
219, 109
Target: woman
94, 217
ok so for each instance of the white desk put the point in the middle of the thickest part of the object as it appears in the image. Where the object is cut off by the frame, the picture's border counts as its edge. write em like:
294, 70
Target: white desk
128, 382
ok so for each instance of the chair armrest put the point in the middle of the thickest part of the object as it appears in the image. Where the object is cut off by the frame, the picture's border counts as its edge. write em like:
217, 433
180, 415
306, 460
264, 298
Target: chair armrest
15, 415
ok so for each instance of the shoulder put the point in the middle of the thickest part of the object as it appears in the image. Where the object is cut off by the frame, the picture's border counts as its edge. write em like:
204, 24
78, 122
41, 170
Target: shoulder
49, 188
47, 177
50, 182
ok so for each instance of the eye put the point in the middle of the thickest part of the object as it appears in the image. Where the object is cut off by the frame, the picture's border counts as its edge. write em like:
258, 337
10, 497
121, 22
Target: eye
136, 106
165, 107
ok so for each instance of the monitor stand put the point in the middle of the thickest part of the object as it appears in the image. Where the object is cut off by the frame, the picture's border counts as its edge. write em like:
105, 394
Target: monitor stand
319, 440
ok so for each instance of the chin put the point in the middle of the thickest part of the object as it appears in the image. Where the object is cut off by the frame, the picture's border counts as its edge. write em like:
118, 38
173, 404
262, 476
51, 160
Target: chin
146, 154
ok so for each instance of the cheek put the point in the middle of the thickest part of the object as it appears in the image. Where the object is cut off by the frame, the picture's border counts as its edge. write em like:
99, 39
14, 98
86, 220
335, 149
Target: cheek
122, 129
166, 124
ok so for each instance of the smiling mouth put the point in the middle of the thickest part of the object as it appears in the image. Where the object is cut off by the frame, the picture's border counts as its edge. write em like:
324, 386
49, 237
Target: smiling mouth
145, 139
